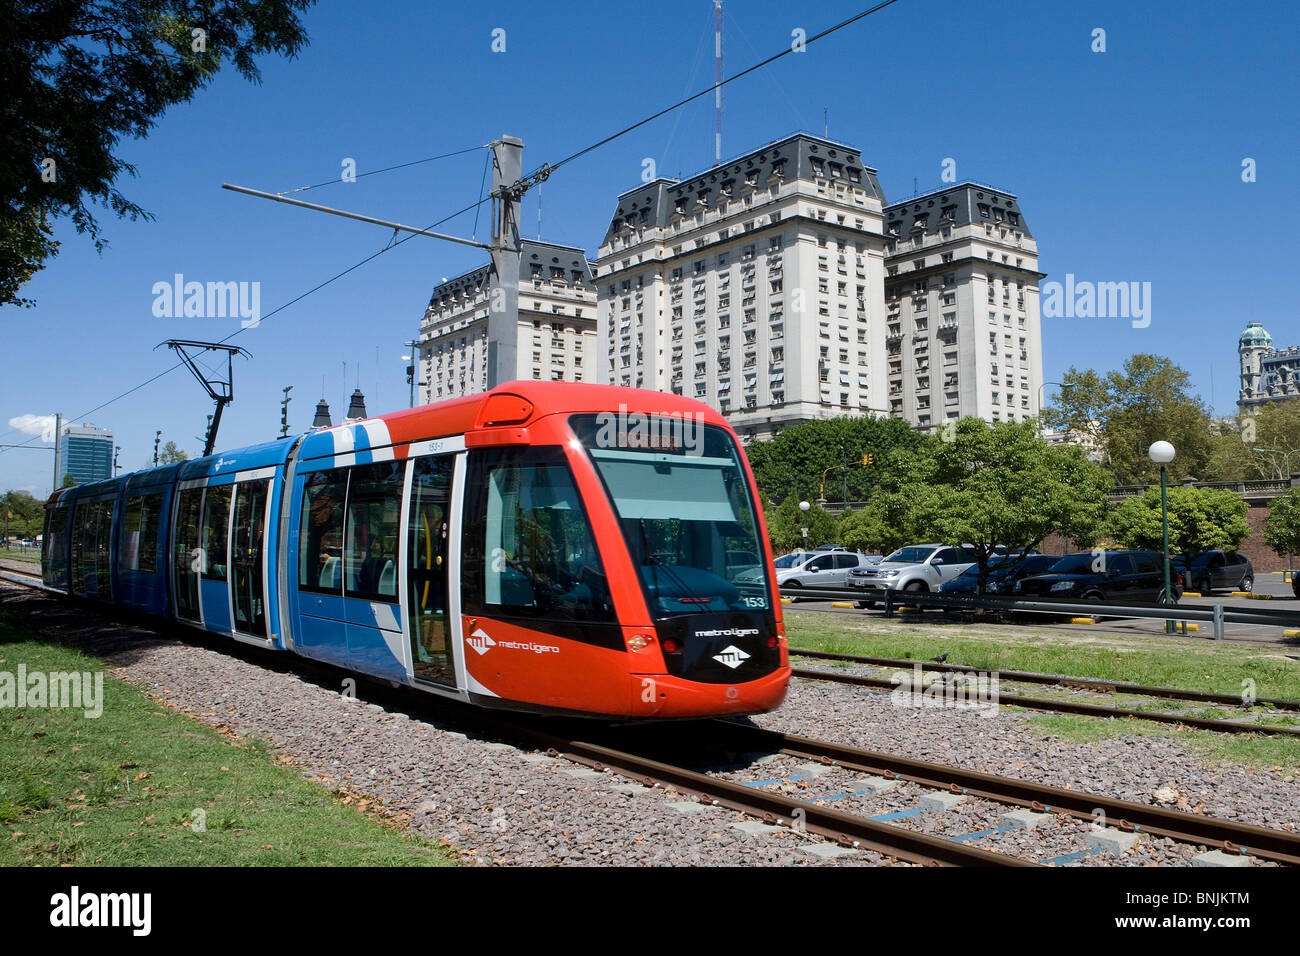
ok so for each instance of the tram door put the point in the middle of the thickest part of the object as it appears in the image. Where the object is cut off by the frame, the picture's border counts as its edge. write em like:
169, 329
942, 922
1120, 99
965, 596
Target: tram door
186, 553
428, 571
248, 544
214, 569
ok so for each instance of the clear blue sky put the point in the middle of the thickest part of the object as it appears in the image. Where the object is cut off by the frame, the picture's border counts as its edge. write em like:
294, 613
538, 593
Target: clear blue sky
1127, 163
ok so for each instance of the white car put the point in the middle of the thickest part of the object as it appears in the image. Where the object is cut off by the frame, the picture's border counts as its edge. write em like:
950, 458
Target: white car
917, 567
821, 569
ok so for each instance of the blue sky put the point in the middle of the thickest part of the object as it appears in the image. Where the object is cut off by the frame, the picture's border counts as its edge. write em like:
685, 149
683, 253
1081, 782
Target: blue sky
1127, 164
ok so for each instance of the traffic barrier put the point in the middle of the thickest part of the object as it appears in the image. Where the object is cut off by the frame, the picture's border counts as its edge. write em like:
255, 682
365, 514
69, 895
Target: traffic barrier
1216, 615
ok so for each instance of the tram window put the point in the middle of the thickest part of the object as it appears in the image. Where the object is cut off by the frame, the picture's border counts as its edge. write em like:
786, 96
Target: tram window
80, 519
56, 543
188, 554
139, 545
216, 531
320, 539
103, 531
374, 511
528, 547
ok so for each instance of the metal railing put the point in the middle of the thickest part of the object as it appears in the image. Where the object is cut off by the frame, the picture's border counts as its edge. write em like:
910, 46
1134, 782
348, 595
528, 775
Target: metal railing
1217, 615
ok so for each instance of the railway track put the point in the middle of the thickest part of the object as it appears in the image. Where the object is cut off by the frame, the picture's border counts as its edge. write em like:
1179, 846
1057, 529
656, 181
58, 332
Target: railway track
1220, 725
650, 755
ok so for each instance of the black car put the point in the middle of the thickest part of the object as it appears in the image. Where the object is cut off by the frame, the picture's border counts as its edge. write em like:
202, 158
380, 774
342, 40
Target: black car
1117, 577
1215, 570
1004, 576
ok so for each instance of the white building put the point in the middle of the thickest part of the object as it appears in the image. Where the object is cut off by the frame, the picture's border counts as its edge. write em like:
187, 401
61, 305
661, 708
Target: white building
757, 287
556, 330
961, 290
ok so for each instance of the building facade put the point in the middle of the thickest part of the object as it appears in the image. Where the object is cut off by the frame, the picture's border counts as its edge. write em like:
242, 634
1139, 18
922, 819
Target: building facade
1267, 374
556, 333
962, 334
757, 287
85, 453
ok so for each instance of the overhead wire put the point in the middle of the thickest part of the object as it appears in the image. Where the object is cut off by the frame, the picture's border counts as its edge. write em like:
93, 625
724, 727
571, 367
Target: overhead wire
474, 206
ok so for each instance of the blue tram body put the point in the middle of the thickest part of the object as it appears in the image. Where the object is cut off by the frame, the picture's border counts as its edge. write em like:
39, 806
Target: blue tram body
407, 547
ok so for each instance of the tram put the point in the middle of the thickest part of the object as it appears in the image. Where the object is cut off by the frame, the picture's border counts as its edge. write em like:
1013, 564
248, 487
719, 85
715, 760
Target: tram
545, 546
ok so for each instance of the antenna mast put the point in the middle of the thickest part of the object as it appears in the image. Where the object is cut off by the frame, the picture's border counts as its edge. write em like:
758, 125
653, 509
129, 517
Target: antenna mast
717, 81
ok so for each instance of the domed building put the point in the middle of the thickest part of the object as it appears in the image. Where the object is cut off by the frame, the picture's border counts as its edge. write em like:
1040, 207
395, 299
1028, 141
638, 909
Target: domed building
1267, 374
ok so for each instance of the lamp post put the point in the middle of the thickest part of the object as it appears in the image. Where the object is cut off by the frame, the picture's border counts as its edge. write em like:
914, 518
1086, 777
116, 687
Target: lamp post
803, 507
1162, 453
1286, 458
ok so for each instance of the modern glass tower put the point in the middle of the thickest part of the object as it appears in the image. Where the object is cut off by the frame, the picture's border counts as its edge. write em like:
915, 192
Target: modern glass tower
86, 453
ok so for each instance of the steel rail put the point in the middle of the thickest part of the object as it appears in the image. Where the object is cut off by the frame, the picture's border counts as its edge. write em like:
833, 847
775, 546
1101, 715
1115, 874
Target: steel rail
773, 808
1061, 706
1032, 677
846, 829
1243, 838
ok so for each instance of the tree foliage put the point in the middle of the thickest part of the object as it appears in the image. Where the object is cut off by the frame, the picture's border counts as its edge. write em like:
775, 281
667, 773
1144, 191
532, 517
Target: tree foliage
1125, 411
171, 454
77, 77
794, 461
24, 515
785, 526
1200, 519
1282, 526
994, 485
1260, 446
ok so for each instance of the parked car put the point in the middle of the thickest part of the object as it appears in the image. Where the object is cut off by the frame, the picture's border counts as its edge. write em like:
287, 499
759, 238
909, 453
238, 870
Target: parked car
822, 569
1214, 570
1004, 575
917, 567
1115, 577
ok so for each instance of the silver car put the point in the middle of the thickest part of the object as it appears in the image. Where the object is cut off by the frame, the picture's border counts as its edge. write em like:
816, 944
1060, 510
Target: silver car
917, 567
822, 569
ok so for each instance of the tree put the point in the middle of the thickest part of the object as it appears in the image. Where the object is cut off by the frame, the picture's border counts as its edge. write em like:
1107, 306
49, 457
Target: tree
68, 481
78, 77
170, 454
793, 462
1200, 519
1125, 412
1282, 526
785, 526
1252, 447
25, 516
995, 485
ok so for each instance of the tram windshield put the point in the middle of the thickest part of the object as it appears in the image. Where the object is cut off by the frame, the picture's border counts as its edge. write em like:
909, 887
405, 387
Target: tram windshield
682, 498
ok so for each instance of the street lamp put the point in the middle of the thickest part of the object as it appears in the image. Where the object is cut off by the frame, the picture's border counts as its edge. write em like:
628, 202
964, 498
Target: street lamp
1286, 458
1162, 453
804, 506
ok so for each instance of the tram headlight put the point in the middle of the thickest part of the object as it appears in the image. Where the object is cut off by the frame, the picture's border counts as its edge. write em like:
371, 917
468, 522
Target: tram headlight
639, 642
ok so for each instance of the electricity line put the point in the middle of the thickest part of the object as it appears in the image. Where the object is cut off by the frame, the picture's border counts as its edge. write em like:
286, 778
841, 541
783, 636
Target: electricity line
386, 169
735, 76
551, 169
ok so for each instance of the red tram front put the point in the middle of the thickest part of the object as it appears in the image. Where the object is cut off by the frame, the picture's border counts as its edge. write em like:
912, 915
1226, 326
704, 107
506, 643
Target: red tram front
612, 560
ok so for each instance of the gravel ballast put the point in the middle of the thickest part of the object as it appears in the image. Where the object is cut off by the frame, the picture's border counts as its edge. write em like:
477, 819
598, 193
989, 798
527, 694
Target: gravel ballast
497, 804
